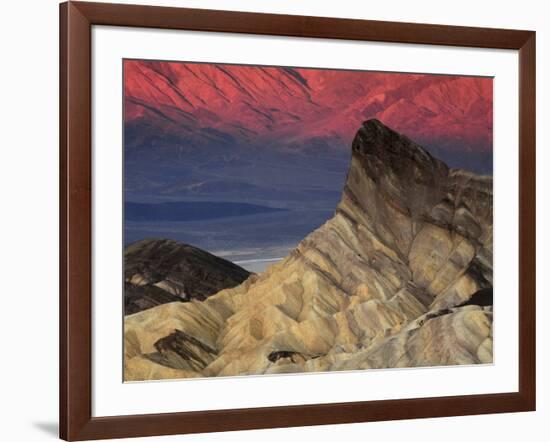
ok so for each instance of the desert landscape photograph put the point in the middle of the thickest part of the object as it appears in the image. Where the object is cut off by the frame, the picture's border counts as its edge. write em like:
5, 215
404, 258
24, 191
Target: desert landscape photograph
285, 220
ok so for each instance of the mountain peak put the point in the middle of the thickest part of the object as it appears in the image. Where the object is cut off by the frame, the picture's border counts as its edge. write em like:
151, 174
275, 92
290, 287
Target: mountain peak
400, 276
392, 175
396, 151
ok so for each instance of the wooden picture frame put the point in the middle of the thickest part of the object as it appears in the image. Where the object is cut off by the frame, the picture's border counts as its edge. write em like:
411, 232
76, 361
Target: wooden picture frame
76, 21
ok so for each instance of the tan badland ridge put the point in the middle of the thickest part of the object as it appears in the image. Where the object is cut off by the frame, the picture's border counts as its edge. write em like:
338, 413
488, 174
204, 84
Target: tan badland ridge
400, 276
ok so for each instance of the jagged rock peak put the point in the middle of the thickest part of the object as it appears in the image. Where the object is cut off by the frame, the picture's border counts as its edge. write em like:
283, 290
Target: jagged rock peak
378, 143
393, 184
402, 172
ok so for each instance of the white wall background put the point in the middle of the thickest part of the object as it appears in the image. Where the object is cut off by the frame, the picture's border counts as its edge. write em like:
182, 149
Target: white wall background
29, 220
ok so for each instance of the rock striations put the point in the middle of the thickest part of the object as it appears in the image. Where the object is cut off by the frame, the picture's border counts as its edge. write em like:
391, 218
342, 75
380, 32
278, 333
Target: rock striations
401, 276
158, 271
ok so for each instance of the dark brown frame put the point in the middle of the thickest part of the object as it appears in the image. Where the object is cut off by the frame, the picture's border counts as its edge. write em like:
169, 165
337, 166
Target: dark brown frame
76, 421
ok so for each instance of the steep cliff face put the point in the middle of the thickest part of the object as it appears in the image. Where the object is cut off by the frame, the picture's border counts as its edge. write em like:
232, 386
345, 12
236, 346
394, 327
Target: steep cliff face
400, 276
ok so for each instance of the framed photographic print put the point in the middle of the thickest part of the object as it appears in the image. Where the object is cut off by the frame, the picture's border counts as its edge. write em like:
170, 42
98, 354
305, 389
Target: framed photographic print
272, 220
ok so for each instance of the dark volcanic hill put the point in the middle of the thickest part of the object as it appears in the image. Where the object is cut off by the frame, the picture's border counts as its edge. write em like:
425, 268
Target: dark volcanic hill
400, 276
158, 271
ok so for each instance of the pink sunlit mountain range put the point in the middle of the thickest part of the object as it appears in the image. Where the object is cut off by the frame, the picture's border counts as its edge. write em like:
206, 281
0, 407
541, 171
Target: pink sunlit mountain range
292, 107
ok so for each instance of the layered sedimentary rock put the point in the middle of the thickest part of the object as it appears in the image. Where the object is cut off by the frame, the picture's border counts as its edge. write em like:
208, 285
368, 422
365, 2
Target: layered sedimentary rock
401, 276
158, 271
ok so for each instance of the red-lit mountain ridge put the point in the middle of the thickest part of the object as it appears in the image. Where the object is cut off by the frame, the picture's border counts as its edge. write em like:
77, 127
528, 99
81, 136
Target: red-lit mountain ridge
293, 107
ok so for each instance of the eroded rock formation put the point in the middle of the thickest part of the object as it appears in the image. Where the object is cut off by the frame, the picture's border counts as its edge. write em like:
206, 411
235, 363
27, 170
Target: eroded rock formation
158, 271
401, 276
